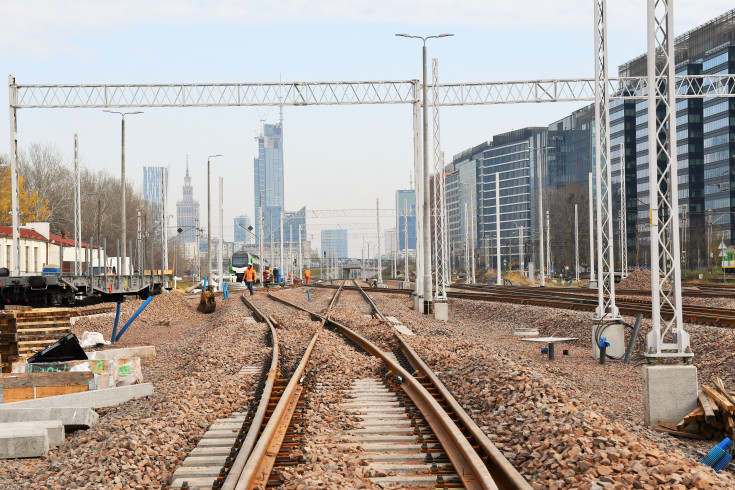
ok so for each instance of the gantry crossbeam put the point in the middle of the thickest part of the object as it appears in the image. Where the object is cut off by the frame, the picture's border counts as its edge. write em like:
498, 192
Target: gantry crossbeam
68, 96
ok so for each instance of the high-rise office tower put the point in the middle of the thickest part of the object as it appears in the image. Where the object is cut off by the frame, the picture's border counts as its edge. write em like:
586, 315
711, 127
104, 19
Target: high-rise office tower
152, 180
268, 180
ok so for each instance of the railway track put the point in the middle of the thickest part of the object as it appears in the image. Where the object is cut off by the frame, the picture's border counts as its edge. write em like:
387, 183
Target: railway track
549, 297
412, 430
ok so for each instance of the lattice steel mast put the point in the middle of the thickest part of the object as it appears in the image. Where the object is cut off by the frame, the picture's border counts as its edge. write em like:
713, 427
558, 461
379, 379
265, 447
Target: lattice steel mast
667, 337
606, 309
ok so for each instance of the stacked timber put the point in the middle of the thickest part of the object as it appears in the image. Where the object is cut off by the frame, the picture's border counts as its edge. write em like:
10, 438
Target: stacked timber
26, 331
714, 417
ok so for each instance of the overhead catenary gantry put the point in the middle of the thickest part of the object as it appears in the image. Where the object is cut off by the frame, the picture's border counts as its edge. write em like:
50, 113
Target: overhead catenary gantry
68, 96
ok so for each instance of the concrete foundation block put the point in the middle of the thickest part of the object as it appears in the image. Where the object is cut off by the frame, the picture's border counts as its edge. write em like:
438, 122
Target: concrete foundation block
441, 311
23, 443
124, 353
89, 399
54, 428
669, 392
615, 335
72, 418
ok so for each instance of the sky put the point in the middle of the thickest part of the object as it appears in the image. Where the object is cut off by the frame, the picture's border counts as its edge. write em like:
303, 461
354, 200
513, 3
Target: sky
335, 157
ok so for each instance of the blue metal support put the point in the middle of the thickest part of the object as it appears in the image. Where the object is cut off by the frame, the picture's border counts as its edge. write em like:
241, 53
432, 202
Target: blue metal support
117, 320
132, 318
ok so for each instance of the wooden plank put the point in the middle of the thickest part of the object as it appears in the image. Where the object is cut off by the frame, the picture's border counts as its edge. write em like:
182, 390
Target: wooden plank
709, 414
667, 425
720, 400
679, 433
24, 380
692, 416
45, 391
721, 388
17, 394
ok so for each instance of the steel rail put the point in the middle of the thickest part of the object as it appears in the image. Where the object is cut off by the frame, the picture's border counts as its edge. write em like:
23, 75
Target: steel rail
248, 444
503, 472
469, 466
259, 465
705, 315
376, 312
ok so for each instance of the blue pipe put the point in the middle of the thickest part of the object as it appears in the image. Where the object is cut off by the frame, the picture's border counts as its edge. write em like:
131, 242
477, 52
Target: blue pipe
135, 315
225, 292
308, 294
117, 320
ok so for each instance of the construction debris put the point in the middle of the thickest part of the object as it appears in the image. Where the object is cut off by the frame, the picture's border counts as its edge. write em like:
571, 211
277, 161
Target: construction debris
25, 331
714, 417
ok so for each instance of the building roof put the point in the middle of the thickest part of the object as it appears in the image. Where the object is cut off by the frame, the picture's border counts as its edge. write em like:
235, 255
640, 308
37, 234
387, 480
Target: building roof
28, 234
7, 231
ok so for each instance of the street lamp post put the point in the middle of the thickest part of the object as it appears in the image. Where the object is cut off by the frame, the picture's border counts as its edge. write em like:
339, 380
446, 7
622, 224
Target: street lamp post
426, 238
124, 230
209, 221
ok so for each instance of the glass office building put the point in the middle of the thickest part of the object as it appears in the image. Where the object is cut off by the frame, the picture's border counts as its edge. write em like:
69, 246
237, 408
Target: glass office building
406, 225
153, 178
268, 181
241, 224
293, 221
334, 241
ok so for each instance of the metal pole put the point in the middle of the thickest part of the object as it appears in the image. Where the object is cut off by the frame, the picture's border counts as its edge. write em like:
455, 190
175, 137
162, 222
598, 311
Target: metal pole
405, 243
472, 235
576, 243
466, 246
426, 235
164, 225
280, 245
520, 250
548, 244
124, 230
138, 243
497, 227
542, 279
77, 211
380, 252
117, 269
623, 217
209, 226
592, 230
221, 234
301, 256
15, 200
418, 202
196, 248
261, 259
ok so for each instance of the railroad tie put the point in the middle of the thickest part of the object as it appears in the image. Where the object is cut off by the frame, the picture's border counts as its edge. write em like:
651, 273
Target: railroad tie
387, 436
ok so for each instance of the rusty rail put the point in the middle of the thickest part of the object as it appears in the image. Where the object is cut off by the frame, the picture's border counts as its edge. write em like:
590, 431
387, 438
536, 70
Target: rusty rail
467, 463
249, 443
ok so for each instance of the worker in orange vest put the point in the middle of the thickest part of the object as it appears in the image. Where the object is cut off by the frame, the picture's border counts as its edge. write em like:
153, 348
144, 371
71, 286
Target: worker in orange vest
307, 275
249, 277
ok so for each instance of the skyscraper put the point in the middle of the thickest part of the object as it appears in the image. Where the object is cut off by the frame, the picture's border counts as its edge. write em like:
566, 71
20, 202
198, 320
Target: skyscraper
241, 225
152, 179
268, 180
187, 211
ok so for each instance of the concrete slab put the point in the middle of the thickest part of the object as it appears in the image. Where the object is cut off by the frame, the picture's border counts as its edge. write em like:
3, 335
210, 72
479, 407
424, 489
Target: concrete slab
124, 353
669, 392
54, 428
23, 443
403, 329
72, 418
193, 483
89, 399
